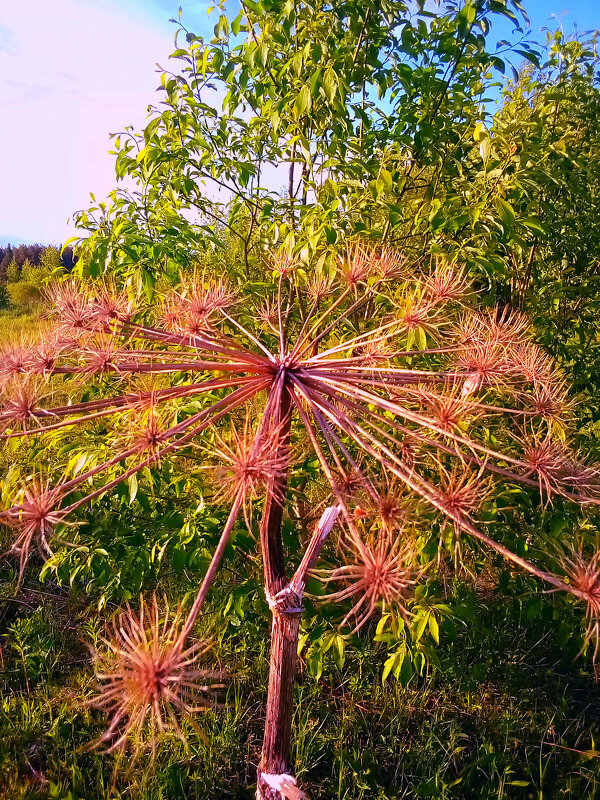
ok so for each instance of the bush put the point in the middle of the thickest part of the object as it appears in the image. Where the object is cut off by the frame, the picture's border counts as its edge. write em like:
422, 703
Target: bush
23, 293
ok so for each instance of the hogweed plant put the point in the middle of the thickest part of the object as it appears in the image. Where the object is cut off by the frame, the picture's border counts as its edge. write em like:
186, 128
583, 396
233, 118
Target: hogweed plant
395, 385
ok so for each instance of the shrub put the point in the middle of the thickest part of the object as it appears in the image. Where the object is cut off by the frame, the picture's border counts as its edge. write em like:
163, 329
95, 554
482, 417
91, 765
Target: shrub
24, 294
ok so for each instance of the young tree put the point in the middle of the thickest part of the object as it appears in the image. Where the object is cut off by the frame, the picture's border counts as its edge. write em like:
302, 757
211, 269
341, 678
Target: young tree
13, 272
299, 125
412, 403
23, 294
550, 124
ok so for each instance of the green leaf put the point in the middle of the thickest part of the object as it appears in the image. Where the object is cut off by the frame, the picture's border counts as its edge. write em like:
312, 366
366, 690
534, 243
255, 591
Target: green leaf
77, 463
339, 651
467, 14
222, 27
151, 129
236, 23
393, 662
484, 148
382, 623
179, 559
534, 224
330, 235
303, 101
533, 607
263, 54
148, 283
406, 672
480, 132
302, 641
386, 177
506, 212
434, 628
330, 84
132, 482
421, 625
314, 663
530, 56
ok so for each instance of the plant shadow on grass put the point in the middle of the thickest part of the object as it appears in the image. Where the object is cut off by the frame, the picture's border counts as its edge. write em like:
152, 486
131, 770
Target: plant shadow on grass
511, 715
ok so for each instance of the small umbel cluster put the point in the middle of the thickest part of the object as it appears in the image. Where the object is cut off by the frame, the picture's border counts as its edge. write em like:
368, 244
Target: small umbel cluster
400, 390
149, 677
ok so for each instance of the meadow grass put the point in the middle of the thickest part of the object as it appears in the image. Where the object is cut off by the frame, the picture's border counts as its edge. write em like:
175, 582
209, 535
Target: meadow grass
18, 322
510, 715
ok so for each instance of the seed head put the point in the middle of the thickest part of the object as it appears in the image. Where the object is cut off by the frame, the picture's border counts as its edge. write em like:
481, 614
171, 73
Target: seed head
393, 507
461, 492
283, 265
21, 399
391, 265
42, 356
506, 331
349, 482
379, 570
192, 309
318, 288
247, 464
416, 311
146, 430
13, 362
535, 366
507, 327
34, 519
387, 503
357, 265
450, 407
72, 307
584, 577
373, 351
268, 315
558, 471
100, 356
111, 305
550, 405
148, 678
446, 282
483, 365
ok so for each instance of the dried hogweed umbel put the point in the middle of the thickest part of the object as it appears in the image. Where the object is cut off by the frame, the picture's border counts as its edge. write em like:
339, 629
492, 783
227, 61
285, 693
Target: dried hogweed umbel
380, 373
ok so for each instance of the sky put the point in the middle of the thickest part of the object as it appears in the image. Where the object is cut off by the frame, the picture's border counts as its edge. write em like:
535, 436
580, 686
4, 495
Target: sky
73, 71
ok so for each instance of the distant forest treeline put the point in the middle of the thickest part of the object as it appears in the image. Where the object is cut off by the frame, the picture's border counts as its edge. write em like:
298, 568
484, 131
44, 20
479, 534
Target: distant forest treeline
32, 253
26, 269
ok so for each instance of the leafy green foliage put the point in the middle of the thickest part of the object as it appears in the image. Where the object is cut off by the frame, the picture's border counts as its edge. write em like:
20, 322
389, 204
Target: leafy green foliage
364, 105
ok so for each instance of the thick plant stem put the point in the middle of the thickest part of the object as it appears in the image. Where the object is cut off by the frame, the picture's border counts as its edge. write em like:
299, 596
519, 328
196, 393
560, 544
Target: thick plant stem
270, 527
284, 631
276, 755
276, 763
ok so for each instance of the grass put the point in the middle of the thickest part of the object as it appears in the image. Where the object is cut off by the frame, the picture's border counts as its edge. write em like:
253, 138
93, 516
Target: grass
509, 716
17, 322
